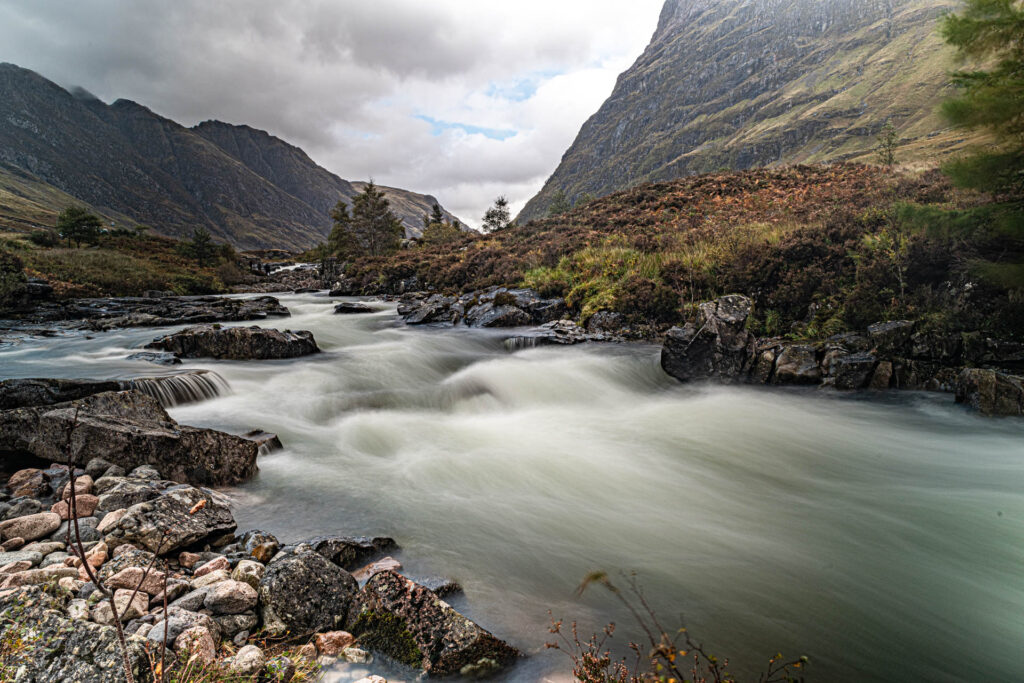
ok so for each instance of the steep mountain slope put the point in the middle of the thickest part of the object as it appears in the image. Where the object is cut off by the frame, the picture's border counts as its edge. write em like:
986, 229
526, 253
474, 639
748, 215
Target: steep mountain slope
746, 83
134, 166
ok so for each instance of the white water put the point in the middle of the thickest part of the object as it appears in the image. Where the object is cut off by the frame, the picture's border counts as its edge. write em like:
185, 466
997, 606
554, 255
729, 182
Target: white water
884, 538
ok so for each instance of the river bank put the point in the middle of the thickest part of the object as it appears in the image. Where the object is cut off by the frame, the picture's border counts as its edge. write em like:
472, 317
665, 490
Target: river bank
788, 519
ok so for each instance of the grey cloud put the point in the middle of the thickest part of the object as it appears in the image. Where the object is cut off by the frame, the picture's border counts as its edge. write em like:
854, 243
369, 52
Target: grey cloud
345, 79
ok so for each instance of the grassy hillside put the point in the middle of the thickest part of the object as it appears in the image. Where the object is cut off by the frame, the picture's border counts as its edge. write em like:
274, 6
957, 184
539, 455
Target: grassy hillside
120, 266
821, 249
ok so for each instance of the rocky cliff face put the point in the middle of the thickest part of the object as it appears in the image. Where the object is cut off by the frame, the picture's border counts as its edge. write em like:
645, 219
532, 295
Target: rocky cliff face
134, 166
744, 83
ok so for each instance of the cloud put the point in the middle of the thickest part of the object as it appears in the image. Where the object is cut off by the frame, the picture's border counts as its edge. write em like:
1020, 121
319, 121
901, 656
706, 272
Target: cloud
462, 99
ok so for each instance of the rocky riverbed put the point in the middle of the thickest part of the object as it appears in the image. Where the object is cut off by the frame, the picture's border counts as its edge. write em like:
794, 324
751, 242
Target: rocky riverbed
166, 556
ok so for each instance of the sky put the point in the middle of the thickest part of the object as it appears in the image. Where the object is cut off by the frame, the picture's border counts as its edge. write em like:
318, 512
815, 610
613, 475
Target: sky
462, 99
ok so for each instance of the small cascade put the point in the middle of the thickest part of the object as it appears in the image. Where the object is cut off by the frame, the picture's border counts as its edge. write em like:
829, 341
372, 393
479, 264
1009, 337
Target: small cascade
513, 344
173, 390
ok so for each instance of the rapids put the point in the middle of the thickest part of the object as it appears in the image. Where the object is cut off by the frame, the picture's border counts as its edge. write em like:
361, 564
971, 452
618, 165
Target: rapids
883, 536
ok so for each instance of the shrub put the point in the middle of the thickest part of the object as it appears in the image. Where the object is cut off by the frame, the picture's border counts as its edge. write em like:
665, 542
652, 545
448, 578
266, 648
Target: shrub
44, 238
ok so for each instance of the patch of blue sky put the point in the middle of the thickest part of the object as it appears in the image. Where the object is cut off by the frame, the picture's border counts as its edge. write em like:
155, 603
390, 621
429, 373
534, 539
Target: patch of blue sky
520, 89
438, 127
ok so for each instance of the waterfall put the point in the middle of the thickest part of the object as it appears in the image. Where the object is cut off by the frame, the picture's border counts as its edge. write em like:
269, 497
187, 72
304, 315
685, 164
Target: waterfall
519, 343
173, 390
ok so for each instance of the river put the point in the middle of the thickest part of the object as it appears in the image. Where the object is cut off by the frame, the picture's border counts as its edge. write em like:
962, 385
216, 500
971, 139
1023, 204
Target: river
882, 536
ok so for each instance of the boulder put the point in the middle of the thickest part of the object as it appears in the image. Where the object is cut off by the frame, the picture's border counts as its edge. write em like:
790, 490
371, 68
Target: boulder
303, 593
409, 623
197, 643
716, 346
853, 371
236, 343
893, 337
188, 514
436, 308
230, 597
797, 364
249, 572
85, 505
989, 392
346, 551
351, 307
151, 582
489, 314
248, 661
31, 527
28, 393
130, 605
129, 429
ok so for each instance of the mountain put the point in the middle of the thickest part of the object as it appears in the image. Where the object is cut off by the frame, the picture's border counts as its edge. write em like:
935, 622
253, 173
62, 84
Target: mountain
747, 83
134, 166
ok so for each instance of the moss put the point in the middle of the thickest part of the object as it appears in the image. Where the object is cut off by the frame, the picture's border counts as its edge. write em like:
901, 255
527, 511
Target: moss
504, 299
388, 633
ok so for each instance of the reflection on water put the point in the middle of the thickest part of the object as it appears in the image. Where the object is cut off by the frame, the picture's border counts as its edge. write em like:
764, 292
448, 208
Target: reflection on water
880, 537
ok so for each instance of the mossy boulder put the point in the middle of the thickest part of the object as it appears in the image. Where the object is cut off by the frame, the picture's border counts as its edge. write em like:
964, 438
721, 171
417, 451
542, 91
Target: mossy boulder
410, 624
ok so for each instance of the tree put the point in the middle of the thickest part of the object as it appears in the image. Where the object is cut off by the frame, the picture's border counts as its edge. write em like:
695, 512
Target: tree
201, 246
371, 229
559, 203
888, 141
441, 233
991, 98
584, 198
78, 224
342, 242
436, 215
498, 216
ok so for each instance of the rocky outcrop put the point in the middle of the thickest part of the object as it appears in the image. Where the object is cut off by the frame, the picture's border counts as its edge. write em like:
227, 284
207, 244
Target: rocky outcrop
494, 307
716, 346
410, 624
887, 355
155, 311
62, 649
128, 429
991, 392
236, 343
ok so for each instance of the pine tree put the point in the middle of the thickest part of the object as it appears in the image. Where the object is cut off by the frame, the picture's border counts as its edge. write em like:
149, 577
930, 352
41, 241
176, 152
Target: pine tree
436, 215
991, 34
559, 203
498, 217
341, 242
201, 246
78, 224
371, 229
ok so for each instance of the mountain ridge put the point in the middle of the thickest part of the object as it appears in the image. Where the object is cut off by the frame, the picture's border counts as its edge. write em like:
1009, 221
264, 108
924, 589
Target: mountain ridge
133, 165
747, 83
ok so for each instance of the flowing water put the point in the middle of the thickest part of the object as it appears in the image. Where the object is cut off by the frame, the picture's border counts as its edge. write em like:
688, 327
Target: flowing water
883, 537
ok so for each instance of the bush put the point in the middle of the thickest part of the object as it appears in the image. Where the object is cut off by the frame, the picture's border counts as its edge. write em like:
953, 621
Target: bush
44, 238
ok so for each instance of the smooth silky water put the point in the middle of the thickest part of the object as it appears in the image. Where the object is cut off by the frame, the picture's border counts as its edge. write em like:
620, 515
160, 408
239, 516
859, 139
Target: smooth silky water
882, 536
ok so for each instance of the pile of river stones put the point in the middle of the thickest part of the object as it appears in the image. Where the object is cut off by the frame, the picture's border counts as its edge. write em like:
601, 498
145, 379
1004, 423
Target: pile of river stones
154, 542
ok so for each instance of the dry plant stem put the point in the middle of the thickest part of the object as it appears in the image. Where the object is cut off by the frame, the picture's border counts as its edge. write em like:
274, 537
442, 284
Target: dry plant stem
73, 521
163, 647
